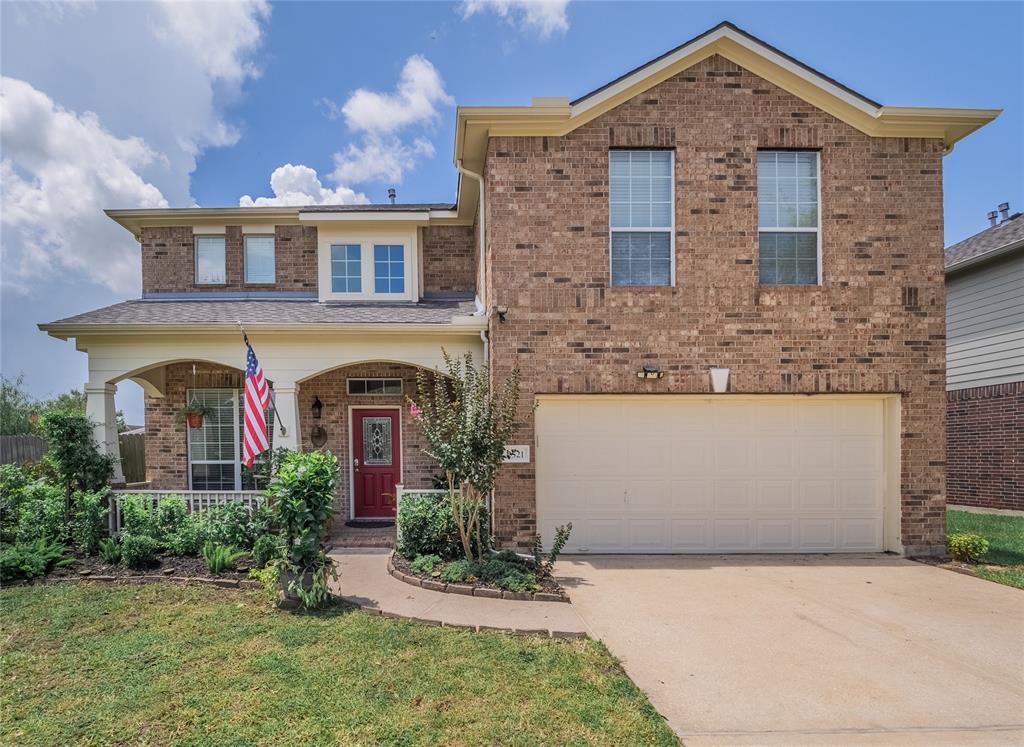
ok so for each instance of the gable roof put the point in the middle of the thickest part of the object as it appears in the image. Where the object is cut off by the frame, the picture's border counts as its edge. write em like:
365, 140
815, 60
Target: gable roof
994, 241
559, 116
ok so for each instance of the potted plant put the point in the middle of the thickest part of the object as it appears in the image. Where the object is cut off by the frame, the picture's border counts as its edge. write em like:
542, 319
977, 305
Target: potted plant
302, 503
193, 414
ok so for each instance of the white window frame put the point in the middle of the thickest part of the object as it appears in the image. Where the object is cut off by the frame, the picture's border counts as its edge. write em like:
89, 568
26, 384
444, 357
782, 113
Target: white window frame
195, 254
817, 229
350, 393
238, 441
245, 258
671, 230
366, 239
362, 270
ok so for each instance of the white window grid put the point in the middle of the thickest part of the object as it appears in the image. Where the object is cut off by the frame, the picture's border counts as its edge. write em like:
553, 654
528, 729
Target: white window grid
670, 229
385, 383
816, 229
219, 439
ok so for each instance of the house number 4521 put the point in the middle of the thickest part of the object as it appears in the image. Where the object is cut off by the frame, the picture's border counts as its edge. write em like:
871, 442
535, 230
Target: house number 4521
516, 455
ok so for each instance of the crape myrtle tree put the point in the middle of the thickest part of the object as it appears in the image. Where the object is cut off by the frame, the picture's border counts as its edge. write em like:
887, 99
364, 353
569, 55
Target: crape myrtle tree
467, 426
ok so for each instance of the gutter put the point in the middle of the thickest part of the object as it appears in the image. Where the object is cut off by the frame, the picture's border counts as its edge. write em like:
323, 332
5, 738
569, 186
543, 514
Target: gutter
471, 325
481, 294
981, 259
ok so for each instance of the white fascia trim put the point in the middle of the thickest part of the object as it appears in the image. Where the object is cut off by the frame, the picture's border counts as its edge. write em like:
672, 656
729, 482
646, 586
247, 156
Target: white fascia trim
725, 33
362, 217
469, 325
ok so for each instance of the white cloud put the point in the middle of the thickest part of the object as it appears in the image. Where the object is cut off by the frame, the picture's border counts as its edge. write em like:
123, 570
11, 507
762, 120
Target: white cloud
379, 159
59, 171
545, 17
300, 185
414, 101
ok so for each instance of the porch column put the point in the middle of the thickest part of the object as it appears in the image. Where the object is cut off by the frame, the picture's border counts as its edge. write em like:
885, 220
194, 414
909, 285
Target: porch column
286, 398
100, 409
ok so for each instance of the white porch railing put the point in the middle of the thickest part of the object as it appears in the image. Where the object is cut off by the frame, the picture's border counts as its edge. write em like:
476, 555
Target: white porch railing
195, 500
401, 491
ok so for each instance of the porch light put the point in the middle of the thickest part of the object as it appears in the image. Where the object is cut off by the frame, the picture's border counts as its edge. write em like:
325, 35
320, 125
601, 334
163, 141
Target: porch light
650, 372
318, 408
719, 380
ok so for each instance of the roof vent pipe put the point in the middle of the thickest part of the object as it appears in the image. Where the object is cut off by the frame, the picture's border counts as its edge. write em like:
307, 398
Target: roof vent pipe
992, 218
1004, 211
391, 195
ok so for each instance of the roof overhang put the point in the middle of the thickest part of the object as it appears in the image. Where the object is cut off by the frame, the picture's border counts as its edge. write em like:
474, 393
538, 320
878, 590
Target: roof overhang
981, 259
557, 117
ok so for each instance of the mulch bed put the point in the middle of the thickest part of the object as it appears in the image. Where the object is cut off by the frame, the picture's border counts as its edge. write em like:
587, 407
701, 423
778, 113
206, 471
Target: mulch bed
401, 569
167, 568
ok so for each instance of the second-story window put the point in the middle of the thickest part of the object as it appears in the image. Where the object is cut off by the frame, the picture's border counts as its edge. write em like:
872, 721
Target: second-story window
346, 268
259, 259
210, 268
388, 268
641, 217
789, 229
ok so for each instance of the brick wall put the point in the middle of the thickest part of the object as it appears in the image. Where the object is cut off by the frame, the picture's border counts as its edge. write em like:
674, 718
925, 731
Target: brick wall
331, 388
985, 446
449, 259
875, 325
168, 260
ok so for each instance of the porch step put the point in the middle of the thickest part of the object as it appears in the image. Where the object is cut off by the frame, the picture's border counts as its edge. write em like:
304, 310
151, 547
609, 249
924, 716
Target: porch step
354, 535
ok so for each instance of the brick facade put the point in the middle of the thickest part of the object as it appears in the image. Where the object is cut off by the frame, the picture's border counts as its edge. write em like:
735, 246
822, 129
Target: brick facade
985, 446
876, 324
449, 259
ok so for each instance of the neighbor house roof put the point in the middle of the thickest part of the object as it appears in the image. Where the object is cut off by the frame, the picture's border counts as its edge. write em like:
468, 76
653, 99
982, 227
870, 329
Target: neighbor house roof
994, 241
156, 315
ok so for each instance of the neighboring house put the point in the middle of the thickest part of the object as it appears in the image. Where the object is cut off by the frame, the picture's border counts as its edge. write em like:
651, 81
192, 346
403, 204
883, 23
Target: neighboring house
985, 365
721, 207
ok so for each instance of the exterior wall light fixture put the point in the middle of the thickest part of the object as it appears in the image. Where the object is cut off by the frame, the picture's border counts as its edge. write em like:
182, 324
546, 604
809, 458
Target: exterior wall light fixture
650, 372
318, 408
719, 380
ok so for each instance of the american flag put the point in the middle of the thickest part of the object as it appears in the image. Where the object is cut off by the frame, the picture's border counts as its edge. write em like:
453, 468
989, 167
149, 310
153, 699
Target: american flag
257, 399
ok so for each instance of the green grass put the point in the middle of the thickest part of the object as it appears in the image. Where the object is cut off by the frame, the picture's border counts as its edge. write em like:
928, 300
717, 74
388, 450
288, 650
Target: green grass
96, 664
1005, 535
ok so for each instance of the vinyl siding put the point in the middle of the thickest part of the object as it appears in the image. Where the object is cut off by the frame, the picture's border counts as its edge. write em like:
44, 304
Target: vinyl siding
985, 325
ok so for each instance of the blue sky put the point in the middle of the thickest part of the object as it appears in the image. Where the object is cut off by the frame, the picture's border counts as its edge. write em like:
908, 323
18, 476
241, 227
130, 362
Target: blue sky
201, 104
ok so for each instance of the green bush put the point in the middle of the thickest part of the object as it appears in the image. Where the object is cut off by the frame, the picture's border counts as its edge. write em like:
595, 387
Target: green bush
90, 519
266, 548
505, 575
188, 538
138, 515
73, 453
458, 571
110, 550
227, 524
13, 481
220, 558
27, 560
41, 513
171, 513
966, 547
427, 527
425, 563
138, 550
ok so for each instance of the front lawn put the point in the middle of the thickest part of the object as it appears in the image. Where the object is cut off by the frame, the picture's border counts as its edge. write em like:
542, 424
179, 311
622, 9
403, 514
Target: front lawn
1005, 535
97, 664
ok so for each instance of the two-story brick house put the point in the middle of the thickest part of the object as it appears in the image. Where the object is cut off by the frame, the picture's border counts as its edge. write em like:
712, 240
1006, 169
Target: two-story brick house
721, 277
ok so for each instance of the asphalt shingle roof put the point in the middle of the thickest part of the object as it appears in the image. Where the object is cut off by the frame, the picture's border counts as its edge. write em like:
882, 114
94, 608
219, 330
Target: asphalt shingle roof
272, 311
992, 239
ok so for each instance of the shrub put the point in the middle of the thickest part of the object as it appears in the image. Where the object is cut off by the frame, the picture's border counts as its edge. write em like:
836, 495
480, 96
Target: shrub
966, 547
302, 502
506, 575
221, 558
427, 527
425, 563
171, 513
138, 550
90, 519
509, 556
41, 513
458, 571
227, 524
189, 536
266, 548
138, 516
110, 551
23, 561
73, 452
544, 565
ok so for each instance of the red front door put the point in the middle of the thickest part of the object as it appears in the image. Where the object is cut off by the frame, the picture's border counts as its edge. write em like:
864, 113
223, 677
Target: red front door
376, 462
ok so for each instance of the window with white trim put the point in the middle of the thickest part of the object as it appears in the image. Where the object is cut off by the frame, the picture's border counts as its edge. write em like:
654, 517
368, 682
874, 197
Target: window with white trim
210, 264
259, 259
214, 449
359, 387
788, 217
346, 268
641, 200
388, 268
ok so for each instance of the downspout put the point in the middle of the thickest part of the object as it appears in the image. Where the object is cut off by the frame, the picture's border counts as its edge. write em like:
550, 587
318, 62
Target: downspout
481, 293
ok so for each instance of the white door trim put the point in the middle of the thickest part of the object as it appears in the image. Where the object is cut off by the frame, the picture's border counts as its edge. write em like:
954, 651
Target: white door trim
351, 471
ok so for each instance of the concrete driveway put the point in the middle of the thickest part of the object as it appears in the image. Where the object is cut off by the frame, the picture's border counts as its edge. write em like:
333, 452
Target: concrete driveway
868, 649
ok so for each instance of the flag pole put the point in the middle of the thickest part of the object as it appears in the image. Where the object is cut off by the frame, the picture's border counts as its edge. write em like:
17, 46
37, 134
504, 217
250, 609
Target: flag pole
270, 390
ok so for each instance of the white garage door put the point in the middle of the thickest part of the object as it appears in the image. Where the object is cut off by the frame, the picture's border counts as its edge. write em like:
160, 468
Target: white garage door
695, 474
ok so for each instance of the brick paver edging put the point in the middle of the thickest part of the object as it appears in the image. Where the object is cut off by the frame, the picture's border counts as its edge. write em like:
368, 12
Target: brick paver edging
469, 590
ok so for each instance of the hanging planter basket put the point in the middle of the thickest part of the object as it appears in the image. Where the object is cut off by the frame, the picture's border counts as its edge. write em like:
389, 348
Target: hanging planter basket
192, 415
194, 419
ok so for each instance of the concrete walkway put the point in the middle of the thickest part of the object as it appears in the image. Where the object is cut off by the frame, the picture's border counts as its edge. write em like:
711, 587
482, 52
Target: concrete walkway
811, 650
363, 579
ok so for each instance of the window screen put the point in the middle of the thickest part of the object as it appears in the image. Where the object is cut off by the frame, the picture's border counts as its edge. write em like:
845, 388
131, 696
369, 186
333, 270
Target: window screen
259, 259
641, 210
210, 260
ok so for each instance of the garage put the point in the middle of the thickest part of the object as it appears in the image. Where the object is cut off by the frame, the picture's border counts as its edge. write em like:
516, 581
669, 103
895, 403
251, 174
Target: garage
714, 474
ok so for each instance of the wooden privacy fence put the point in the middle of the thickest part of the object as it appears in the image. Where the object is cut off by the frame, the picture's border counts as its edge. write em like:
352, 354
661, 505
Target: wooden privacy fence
195, 500
133, 456
21, 449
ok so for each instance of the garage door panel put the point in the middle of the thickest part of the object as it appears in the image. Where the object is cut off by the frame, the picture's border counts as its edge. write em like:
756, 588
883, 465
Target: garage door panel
741, 474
